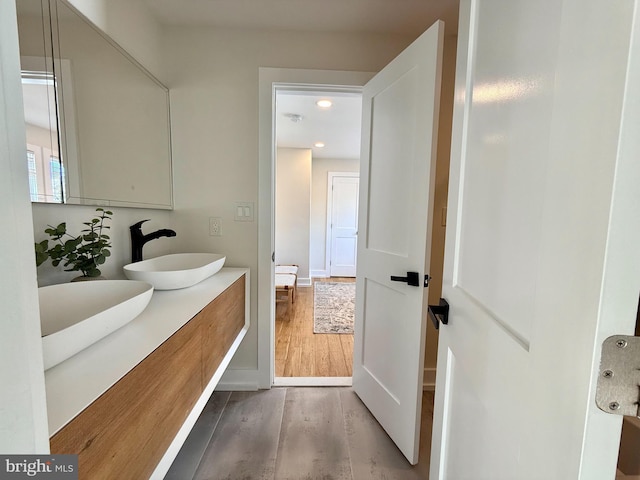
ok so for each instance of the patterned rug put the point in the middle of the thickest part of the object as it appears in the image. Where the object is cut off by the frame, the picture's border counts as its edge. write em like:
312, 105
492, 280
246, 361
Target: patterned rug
333, 307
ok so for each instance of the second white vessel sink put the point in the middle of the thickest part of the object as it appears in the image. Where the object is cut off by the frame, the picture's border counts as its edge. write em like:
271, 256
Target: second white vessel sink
178, 270
74, 316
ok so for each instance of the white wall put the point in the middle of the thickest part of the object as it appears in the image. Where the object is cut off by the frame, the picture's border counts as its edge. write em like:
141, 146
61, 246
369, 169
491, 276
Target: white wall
213, 76
23, 415
293, 199
320, 167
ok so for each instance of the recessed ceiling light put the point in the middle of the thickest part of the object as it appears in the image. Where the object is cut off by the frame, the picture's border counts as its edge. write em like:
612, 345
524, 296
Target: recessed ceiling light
324, 103
318, 144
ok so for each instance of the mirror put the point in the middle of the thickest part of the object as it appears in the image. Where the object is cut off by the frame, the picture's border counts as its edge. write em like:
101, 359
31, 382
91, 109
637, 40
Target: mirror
98, 129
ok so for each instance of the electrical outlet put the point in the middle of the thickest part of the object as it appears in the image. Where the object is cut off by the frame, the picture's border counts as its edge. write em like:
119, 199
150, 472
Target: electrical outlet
215, 226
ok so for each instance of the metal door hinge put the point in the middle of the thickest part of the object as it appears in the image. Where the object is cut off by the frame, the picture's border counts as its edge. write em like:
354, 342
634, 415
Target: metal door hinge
618, 389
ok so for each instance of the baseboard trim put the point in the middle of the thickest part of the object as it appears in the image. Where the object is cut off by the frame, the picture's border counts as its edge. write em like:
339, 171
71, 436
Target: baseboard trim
312, 381
318, 274
304, 282
239, 381
429, 379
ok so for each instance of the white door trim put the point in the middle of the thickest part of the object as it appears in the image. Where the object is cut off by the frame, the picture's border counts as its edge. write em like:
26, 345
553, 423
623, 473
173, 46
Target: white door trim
327, 250
269, 80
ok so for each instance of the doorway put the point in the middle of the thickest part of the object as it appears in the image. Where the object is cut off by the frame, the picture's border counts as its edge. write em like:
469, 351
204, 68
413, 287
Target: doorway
271, 80
316, 164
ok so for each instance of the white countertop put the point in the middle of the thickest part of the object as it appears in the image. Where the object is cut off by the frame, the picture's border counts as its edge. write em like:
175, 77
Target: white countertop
75, 383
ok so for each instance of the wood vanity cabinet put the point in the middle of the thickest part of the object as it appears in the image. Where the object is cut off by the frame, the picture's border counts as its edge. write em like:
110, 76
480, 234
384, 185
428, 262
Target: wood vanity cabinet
126, 431
222, 321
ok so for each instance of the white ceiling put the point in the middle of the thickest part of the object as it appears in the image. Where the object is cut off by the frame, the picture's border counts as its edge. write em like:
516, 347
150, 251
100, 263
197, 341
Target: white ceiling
405, 17
338, 127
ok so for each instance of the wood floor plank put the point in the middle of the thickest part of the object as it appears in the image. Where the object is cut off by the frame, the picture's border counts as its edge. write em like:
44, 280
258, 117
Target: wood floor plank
307, 357
301, 353
373, 454
282, 348
313, 441
323, 366
245, 443
346, 341
337, 360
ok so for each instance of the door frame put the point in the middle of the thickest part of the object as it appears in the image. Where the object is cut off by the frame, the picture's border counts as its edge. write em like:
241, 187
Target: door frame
271, 80
327, 250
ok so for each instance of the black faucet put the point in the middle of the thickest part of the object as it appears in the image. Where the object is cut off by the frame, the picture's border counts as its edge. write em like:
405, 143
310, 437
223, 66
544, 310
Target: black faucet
138, 239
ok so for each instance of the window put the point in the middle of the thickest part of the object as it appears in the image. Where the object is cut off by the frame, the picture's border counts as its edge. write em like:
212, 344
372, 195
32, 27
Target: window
33, 175
57, 175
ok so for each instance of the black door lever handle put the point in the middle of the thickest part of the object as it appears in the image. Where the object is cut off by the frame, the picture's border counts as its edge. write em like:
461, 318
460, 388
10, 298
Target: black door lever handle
412, 278
439, 313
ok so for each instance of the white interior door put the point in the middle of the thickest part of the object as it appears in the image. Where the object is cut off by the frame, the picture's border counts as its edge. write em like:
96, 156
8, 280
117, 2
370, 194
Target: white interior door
400, 121
541, 261
343, 225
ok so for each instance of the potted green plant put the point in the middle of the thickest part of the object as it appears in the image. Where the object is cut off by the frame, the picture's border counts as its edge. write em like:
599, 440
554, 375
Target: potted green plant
83, 253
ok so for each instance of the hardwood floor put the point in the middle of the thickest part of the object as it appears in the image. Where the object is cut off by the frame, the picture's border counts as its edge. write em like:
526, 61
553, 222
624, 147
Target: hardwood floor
302, 353
296, 433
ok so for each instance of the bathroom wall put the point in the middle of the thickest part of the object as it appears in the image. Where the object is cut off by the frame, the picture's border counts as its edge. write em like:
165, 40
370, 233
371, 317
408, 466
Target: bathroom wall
293, 197
320, 167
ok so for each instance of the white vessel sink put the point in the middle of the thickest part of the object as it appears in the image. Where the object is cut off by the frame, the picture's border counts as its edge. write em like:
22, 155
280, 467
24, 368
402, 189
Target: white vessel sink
74, 316
179, 270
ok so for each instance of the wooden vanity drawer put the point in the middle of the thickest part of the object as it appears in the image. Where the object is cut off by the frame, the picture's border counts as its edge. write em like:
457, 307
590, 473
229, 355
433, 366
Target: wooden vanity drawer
125, 432
221, 320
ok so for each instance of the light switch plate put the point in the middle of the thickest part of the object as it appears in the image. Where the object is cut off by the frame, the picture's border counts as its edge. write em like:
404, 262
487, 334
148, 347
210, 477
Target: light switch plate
243, 212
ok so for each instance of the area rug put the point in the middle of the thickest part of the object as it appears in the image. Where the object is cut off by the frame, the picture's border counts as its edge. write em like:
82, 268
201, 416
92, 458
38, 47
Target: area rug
333, 307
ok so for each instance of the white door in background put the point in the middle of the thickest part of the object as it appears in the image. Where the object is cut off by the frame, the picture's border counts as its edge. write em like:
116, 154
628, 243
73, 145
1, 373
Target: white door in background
399, 128
542, 255
343, 224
